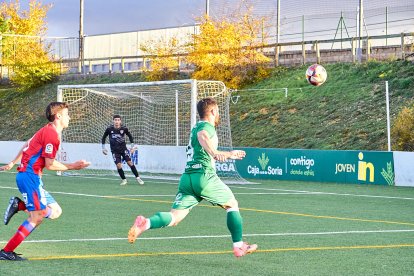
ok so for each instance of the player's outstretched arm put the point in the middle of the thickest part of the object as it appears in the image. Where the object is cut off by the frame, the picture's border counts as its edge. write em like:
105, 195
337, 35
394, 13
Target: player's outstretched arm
237, 154
221, 156
7, 167
234, 154
53, 165
205, 142
78, 165
104, 150
133, 148
131, 139
17, 159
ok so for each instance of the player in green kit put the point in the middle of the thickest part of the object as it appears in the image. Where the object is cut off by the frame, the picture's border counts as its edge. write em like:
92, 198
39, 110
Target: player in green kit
200, 181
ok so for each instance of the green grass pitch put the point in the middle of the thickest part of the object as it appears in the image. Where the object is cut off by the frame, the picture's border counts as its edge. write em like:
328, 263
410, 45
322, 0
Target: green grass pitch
300, 228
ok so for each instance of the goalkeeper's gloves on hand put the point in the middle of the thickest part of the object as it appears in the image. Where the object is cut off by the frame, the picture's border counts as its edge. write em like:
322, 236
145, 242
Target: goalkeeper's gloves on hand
133, 148
104, 150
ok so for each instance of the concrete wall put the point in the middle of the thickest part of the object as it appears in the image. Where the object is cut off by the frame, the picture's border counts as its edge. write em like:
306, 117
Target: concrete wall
404, 168
154, 159
294, 58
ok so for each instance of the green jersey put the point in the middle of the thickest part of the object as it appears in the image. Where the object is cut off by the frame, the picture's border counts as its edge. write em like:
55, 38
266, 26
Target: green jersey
198, 160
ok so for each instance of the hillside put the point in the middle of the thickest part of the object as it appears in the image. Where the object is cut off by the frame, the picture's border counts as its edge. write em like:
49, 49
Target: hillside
347, 112
22, 113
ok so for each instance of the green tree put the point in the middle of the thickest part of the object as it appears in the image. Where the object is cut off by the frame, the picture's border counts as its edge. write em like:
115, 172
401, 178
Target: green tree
402, 131
4, 27
22, 49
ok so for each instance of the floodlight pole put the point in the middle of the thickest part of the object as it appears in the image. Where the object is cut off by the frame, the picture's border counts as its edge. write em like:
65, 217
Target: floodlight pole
278, 22
386, 26
177, 134
360, 22
81, 39
387, 99
207, 8
277, 48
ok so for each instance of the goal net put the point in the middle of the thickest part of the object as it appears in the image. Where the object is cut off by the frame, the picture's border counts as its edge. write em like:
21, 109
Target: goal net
159, 116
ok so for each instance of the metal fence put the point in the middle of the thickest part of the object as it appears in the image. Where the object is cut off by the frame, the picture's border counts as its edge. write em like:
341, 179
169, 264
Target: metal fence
311, 51
296, 20
293, 33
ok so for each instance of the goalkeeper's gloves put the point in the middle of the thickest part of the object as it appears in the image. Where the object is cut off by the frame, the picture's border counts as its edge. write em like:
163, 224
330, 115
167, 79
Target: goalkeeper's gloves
104, 150
133, 148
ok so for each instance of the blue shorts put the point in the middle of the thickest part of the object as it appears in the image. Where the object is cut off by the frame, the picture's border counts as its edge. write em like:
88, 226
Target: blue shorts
31, 187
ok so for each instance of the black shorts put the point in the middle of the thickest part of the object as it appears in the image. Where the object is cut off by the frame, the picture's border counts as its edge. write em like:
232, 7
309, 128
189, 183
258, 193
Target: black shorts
119, 156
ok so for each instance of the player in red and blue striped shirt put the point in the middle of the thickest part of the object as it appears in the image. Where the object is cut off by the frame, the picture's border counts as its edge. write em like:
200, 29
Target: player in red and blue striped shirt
37, 153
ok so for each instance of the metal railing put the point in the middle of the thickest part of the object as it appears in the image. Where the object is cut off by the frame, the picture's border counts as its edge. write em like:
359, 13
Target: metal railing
318, 53
285, 53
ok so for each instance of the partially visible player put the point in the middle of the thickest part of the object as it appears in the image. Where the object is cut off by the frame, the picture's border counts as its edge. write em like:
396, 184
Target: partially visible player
116, 133
200, 181
37, 153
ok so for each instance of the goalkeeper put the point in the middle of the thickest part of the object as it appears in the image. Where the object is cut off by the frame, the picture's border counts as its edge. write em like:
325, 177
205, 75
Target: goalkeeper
116, 133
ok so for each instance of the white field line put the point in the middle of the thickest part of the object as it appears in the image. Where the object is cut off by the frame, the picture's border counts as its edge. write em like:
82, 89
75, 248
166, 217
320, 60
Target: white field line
258, 188
225, 236
283, 192
171, 195
322, 193
286, 192
114, 179
234, 193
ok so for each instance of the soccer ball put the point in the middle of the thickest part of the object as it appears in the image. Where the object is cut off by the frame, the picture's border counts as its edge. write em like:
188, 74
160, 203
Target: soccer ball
316, 74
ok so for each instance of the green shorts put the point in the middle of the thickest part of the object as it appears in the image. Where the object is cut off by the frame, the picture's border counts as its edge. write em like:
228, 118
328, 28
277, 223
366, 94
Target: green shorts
194, 187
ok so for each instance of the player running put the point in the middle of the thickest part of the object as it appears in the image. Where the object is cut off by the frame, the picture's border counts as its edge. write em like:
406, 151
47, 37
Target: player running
116, 133
37, 153
200, 181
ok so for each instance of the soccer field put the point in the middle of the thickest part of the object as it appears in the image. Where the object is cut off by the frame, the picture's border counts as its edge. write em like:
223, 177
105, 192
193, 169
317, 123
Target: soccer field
300, 228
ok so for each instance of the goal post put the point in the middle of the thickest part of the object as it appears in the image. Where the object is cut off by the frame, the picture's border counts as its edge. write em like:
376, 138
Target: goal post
159, 116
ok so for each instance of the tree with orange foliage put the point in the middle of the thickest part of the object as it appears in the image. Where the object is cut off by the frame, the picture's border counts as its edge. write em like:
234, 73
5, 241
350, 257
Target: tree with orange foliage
164, 58
22, 50
226, 50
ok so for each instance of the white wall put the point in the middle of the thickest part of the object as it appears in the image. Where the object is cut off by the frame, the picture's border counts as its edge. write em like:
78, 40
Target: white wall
404, 168
128, 43
154, 159
9, 150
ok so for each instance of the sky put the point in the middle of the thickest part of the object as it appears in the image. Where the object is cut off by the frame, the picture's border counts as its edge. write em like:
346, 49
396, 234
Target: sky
112, 16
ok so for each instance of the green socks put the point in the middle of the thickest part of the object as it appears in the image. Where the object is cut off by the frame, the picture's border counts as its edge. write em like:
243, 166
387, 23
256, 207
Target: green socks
160, 220
235, 225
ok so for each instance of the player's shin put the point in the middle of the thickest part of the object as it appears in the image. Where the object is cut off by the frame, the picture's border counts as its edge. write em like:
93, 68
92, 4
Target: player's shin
134, 171
160, 220
22, 233
121, 173
235, 224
